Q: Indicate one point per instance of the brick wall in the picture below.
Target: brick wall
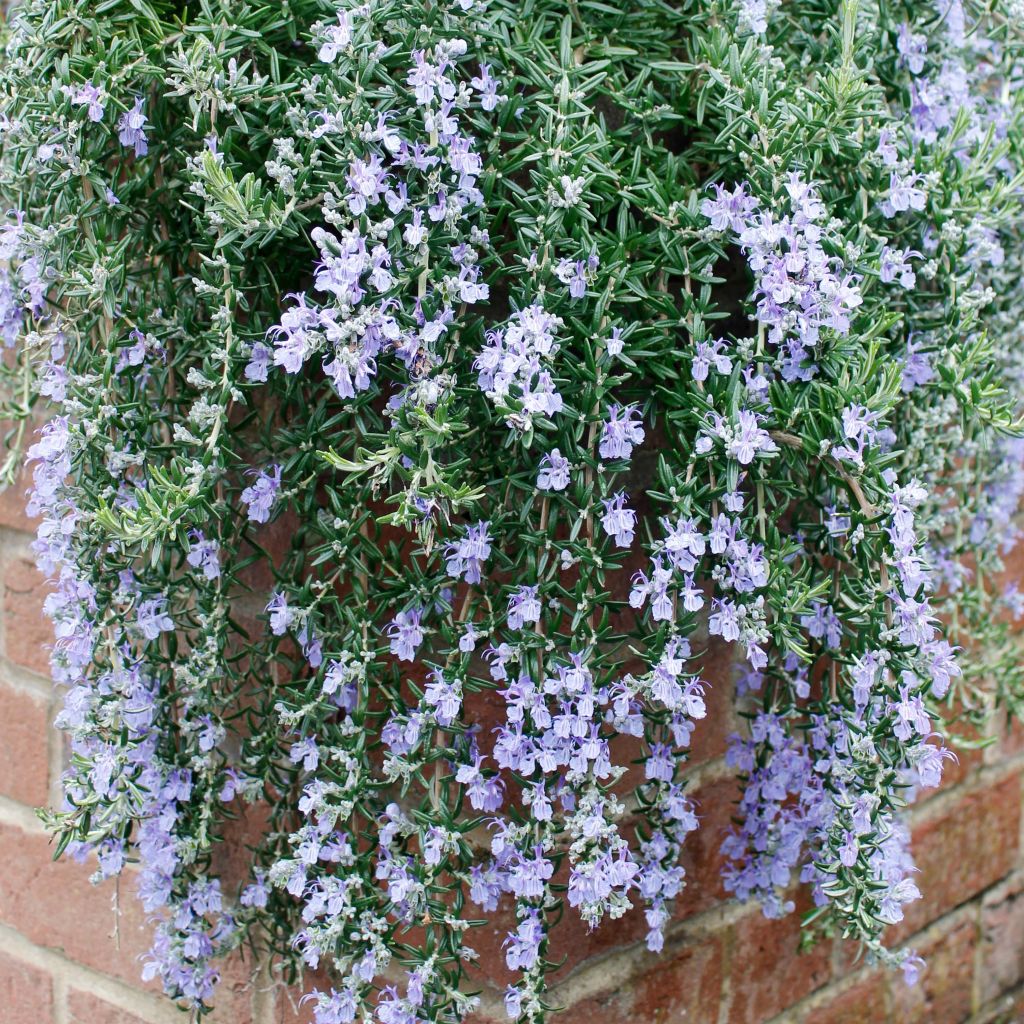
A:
(69, 951)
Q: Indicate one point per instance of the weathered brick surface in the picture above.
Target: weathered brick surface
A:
(26, 633)
(24, 744)
(768, 972)
(289, 1004)
(969, 846)
(684, 986)
(968, 759)
(945, 993)
(85, 1008)
(1009, 735)
(1002, 940)
(702, 858)
(712, 733)
(12, 504)
(53, 905)
(288, 1008)
(26, 993)
(867, 1001)
(1007, 1009)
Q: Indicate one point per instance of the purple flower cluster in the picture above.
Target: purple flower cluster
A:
(402, 192)
(113, 708)
(131, 128)
(742, 440)
(24, 278)
(89, 96)
(260, 496)
(112, 714)
(798, 813)
(622, 431)
(466, 557)
(515, 365)
(800, 289)
(859, 433)
(816, 798)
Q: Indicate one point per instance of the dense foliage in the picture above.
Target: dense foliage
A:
(435, 384)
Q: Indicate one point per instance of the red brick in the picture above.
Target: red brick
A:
(970, 846)
(1002, 940)
(943, 994)
(683, 985)
(288, 1009)
(613, 1005)
(85, 1008)
(769, 973)
(572, 942)
(24, 745)
(27, 633)
(1013, 567)
(702, 857)
(12, 505)
(711, 735)
(287, 999)
(53, 904)
(864, 1002)
(1010, 738)
(1008, 1009)
(274, 538)
(968, 760)
(26, 994)
(232, 1002)
(487, 940)
(231, 859)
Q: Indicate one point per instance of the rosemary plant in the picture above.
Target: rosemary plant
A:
(426, 382)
